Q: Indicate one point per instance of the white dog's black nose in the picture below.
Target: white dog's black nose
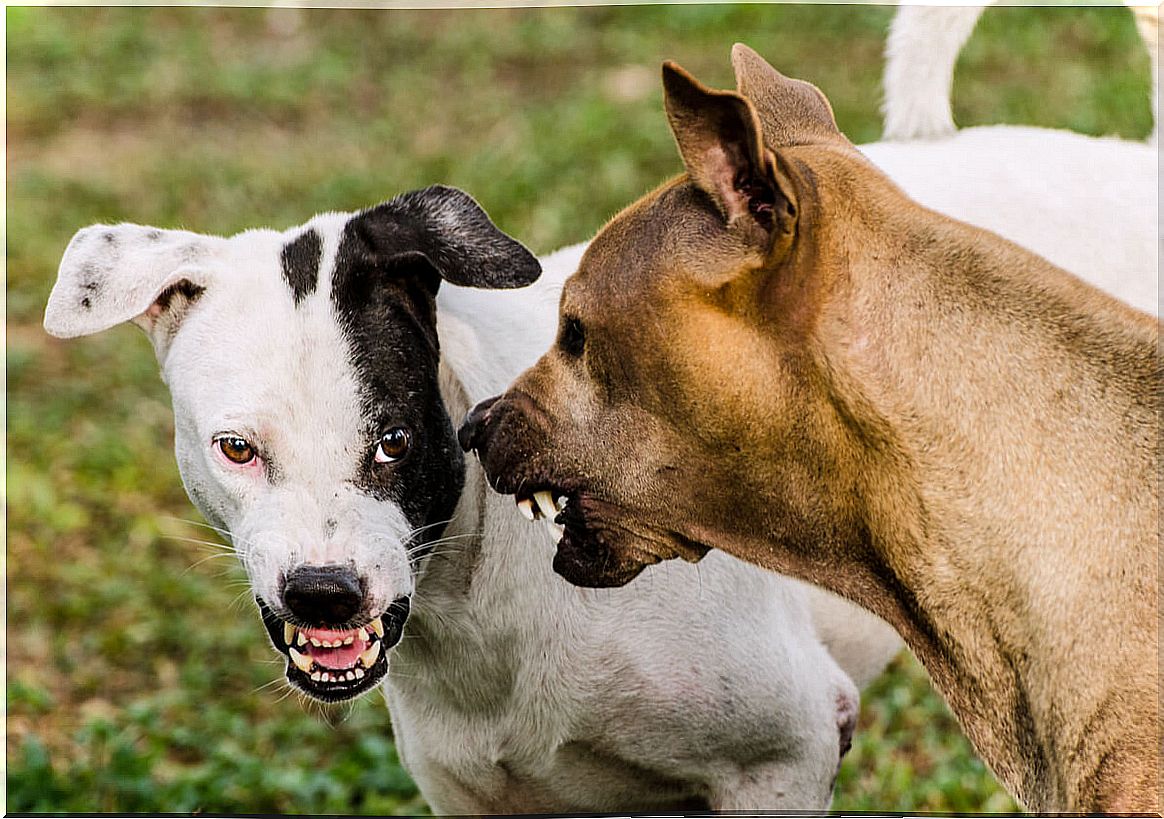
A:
(324, 595)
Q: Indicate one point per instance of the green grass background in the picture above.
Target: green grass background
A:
(138, 676)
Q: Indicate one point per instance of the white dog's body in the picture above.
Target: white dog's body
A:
(512, 691)
(922, 49)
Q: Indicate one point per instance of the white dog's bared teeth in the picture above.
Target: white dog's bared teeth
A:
(362, 634)
(316, 677)
(378, 627)
(315, 641)
(526, 507)
(369, 657)
(349, 640)
(359, 672)
(288, 634)
(301, 639)
(545, 502)
(302, 662)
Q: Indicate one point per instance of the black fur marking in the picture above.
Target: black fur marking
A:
(301, 264)
(91, 285)
(184, 289)
(389, 265)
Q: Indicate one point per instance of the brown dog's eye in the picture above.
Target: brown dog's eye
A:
(235, 449)
(573, 339)
(393, 446)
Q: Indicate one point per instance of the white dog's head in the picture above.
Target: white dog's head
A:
(303, 368)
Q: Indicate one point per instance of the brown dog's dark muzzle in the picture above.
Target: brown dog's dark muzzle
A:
(508, 436)
(593, 565)
(500, 431)
(472, 428)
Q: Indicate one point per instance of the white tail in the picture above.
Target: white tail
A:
(921, 51)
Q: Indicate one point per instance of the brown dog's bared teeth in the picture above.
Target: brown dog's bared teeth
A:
(526, 507)
(545, 503)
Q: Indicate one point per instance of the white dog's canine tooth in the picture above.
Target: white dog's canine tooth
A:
(525, 506)
(369, 657)
(288, 633)
(545, 503)
(302, 662)
(378, 626)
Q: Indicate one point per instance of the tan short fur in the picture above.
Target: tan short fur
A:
(783, 357)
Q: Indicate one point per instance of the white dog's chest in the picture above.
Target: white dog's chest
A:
(506, 763)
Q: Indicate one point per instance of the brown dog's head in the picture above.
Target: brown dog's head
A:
(666, 412)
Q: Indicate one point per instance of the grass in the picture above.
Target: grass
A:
(138, 678)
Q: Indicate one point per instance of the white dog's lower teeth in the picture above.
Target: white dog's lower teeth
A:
(545, 502)
(369, 657)
(302, 662)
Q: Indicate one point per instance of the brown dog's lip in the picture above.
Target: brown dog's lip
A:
(598, 550)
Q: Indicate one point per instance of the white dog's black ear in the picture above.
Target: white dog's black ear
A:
(115, 273)
(448, 230)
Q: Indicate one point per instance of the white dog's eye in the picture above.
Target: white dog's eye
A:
(235, 449)
(393, 446)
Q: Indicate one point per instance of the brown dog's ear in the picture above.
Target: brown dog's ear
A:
(792, 112)
(722, 145)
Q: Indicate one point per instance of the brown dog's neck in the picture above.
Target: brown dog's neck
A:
(999, 419)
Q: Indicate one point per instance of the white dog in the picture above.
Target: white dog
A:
(314, 375)
(922, 49)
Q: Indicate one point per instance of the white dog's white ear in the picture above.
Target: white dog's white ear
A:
(115, 273)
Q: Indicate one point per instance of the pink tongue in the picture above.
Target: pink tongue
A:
(342, 657)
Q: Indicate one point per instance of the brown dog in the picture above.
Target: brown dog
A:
(780, 355)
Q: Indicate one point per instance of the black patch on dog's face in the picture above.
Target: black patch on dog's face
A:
(390, 263)
(301, 264)
(387, 311)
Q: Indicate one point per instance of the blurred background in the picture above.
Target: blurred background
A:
(139, 678)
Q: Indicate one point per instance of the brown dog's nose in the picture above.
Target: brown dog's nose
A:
(323, 595)
(469, 434)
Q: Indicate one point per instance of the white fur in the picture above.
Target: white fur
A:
(921, 51)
